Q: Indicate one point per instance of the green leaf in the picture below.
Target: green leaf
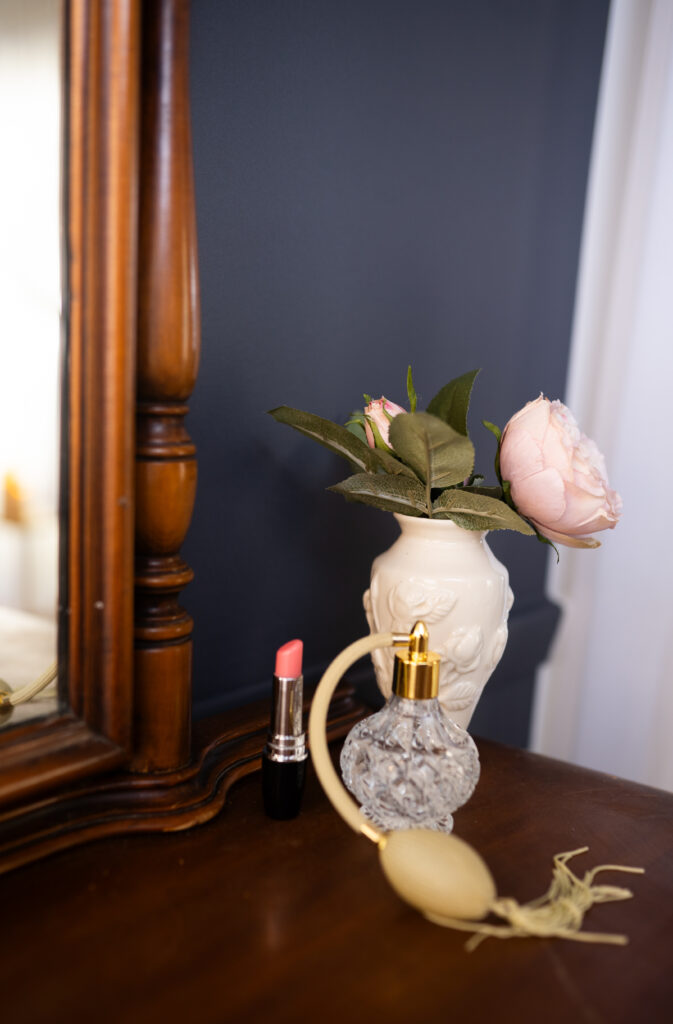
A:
(452, 402)
(368, 399)
(475, 511)
(331, 435)
(389, 464)
(438, 454)
(342, 441)
(411, 391)
(497, 433)
(546, 540)
(355, 427)
(489, 492)
(390, 493)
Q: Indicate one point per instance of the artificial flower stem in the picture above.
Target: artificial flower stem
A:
(428, 497)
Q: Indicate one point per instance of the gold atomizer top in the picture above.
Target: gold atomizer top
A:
(417, 669)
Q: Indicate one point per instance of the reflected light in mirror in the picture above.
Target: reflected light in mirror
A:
(30, 309)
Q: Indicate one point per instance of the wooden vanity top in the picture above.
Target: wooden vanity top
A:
(246, 919)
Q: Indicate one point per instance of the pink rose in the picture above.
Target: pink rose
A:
(557, 475)
(378, 415)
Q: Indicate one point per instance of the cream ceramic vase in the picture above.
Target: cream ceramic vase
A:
(449, 578)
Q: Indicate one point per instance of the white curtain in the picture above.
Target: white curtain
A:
(605, 699)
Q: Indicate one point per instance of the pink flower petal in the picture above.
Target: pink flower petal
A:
(541, 496)
(534, 417)
(520, 455)
(568, 541)
(556, 451)
(584, 513)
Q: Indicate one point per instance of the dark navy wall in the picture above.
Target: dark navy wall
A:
(378, 182)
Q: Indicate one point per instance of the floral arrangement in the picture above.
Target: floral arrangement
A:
(552, 481)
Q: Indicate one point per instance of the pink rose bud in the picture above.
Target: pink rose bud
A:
(378, 415)
(557, 475)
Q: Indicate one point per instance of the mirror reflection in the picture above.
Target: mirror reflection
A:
(30, 337)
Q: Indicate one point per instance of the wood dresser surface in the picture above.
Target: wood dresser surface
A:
(247, 919)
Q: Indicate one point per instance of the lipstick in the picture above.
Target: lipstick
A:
(284, 756)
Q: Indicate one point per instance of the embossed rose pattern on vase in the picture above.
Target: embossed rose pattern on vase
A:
(449, 578)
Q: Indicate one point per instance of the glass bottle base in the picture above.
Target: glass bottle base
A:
(410, 766)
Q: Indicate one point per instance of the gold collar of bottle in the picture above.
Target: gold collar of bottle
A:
(417, 669)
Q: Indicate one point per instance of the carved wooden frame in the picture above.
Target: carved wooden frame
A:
(95, 645)
(123, 758)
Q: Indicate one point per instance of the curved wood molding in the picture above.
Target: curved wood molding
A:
(168, 350)
(227, 748)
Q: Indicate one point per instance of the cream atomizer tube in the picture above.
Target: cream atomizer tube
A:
(284, 756)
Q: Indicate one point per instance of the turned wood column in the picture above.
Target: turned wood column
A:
(168, 349)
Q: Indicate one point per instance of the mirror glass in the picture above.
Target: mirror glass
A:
(30, 338)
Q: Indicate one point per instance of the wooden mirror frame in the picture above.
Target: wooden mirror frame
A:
(123, 758)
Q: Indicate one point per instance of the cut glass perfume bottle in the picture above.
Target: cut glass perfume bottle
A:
(409, 765)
